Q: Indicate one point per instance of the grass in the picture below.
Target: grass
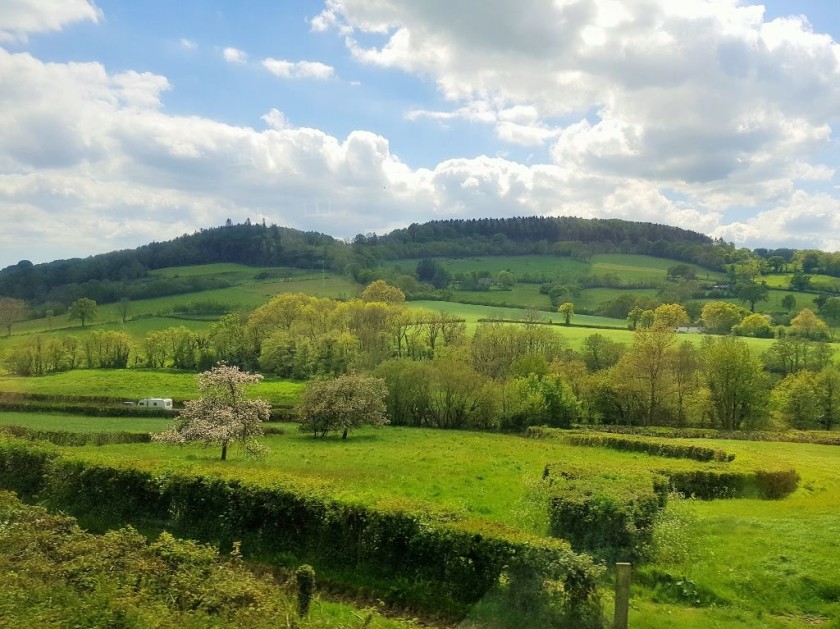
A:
(630, 267)
(133, 384)
(77, 423)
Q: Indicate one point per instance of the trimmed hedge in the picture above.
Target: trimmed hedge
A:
(610, 515)
(817, 437)
(64, 438)
(768, 484)
(455, 563)
(91, 409)
(654, 448)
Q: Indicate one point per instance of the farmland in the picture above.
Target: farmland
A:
(723, 563)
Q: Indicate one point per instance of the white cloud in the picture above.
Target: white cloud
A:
(187, 44)
(21, 18)
(235, 55)
(702, 96)
(298, 69)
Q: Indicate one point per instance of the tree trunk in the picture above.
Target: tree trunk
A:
(344, 435)
(224, 452)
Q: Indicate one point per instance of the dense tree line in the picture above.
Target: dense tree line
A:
(570, 236)
(505, 375)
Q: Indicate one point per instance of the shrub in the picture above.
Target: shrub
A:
(610, 515)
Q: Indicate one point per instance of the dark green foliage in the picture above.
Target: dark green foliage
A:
(772, 484)
(109, 277)
(305, 580)
(790, 436)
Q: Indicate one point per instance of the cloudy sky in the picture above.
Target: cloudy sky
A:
(127, 122)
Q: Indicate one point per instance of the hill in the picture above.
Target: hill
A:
(127, 274)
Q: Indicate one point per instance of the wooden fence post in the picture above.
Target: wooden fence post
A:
(622, 595)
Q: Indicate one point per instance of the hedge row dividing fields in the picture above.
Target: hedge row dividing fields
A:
(612, 513)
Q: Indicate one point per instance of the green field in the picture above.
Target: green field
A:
(740, 563)
(629, 266)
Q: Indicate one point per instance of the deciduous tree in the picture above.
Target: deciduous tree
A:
(83, 310)
(568, 311)
(11, 311)
(222, 415)
(343, 403)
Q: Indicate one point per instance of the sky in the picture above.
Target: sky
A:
(123, 123)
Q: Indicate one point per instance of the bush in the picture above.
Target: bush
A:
(610, 515)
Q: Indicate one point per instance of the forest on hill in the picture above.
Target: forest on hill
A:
(122, 274)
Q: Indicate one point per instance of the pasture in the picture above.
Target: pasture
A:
(722, 563)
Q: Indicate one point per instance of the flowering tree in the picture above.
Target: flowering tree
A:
(221, 415)
(343, 403)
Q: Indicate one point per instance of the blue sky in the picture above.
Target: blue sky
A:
(127, 122)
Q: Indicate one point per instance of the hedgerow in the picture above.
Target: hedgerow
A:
(647, 446)
(449, 562)
(818, 437)
(610, 515)
(65, 438)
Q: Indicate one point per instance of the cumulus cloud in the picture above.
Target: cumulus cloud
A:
(234, 55)
(298, 69)
(21, 18)
(681, 113)
(705, 96)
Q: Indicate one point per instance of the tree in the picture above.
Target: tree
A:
(633, 317)
(600, 352)
(756, 325)
(800, 281)
(568, 311)
(11, 311)
(788, 302)
(645, 366)
(83, 310)
(381, 291)
(736, 382)
(796, 401)
(830, 311)
(343, 403)
(222, 414)
(670, 316)
(828, 391)
(721, 316)
(808, 325)
(751, 293)
(123, 307)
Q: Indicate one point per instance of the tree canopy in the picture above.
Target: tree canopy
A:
(222, 415)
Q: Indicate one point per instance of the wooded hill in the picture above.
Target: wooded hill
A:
(122, 274)
(127, 274)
